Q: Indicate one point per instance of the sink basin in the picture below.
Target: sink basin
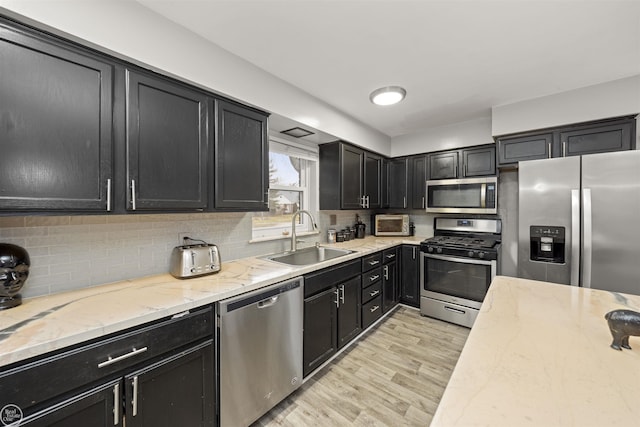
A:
(308, 256)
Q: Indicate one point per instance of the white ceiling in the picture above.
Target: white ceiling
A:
(456, 59)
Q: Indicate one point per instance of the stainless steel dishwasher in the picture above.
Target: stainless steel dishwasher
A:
(260, 350)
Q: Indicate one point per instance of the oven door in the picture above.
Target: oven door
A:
(462, 281)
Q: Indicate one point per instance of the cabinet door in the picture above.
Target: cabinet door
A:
(597, 139)
(398, 183)
(176, 391)
(443, 165)
(351, 174)
(166, 145)
(419, 182)
(320, 325)
(479, 162)
(409, 276)
(511, 150)
(372, 180)
(384, 184)
(389, 283)
(241, 158)
(55, 126)
(95, 407)
(349, 320)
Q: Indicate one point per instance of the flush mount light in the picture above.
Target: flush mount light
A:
(387, 95)
(297, 132)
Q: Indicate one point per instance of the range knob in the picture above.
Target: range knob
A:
(470, 254)
(480, 254)
(439, 250)
(430, 249)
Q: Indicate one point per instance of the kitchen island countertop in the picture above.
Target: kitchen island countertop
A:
(539, 355)
(44, 324)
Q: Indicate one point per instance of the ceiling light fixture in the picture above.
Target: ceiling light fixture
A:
(387, 95)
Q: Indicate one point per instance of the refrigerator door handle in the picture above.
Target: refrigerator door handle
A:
(575, 238)
(587, 248)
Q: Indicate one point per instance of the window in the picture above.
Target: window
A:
(293, 171)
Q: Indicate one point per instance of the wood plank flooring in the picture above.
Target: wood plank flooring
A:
(393, 376)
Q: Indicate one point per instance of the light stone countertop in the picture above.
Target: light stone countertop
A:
(538, 355)
(49, 323)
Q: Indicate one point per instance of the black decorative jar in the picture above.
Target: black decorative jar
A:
(14, 270)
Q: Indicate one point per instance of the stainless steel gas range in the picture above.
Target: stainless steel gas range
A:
(457, 266)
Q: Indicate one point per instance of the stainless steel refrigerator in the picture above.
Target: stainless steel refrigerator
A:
(579, 221)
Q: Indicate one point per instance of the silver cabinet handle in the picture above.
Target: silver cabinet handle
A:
(404, 201)
(549, 146)
(342, 294)
(134, 402)
(368, 204)
(374, 293)
(374, 308)
(564, 148)
(337, 301)
(374, 262)
(413, 252)
(386, 272)
(391, 256)
(423, 206)
(109, 195)
(133, 194)
(116, 404)
(375, 277)
(111, 361)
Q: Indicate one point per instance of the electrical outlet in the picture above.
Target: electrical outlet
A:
(332, 219)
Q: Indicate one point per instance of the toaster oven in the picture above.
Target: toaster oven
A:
(391, 225)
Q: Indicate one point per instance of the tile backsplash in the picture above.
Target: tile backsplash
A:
(73, 252)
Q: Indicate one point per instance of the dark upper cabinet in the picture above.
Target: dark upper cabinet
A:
(513, 149)
(478, 161)
(56, 106)
(616, 134)
(464, 163)
(597, 138)
(443, 165)
(167, 149)
(409, 275)
(241, 158)
(419, 173)
(398, 182)
(350, 177)
(372, 180)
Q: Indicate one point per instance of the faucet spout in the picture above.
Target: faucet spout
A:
(294, 242)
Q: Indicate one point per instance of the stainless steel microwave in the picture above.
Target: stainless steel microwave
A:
(467, 195)
(391, 225)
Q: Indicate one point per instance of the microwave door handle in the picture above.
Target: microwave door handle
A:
(483, 195)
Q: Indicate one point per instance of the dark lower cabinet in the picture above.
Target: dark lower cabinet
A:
(389, 279)
(162, 374)
(320, 329)
(167, 145)
(410, 275)
(241, 158)
(349, 320)
(56, 125)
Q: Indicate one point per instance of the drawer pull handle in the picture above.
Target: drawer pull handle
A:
(374, 308)
(116, 404)
(374, 262)
(374, 293)
(372, 278)
(391, 256)
(112, 360)
(134, 402)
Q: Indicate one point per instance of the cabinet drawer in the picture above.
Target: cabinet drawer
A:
(328, 277)
(371, 292)
(35, 382)
(371, 311)
(371, 261)
(389, 255)
(372, 276)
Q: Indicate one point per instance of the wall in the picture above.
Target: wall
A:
(456, 135)
(132, 32)
(611, 99)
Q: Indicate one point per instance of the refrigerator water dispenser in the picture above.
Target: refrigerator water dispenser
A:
(547, 243)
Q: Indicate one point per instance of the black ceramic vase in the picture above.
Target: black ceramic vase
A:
(14, 270)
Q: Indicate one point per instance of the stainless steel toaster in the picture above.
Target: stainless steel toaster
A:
(194, 260)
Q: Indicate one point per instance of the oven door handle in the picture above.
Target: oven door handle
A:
(459, 259)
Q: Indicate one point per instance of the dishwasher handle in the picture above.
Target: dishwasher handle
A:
(268, 302)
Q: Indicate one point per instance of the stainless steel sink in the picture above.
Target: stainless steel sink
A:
(308, 256)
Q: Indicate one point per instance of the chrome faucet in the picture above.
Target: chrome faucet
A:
(294, 241)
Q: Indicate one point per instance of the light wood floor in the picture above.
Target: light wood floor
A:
(393, 376)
